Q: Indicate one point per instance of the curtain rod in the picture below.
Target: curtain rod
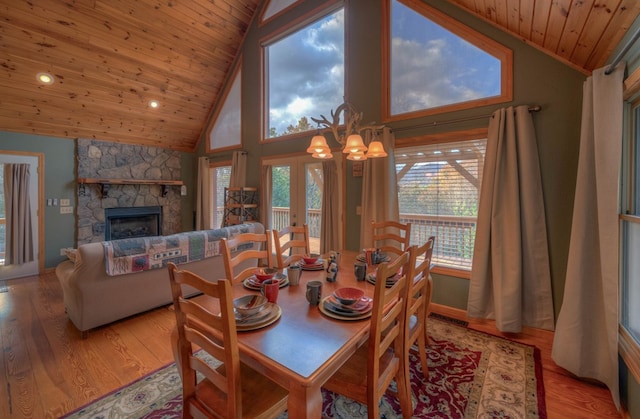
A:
(622, 52)
(536, 108)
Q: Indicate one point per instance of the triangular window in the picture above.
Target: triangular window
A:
(275, 7)
(224, 129)
(437, 65)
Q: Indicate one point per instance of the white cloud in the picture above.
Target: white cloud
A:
(307, 72)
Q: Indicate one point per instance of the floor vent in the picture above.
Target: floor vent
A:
(442, 317)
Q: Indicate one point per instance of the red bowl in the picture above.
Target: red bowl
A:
(348, 296)
(310, 259)
(262, 274)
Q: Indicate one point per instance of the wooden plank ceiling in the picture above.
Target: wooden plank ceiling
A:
(110, 57)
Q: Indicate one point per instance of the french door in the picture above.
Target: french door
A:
(29, 268)
(296, 197)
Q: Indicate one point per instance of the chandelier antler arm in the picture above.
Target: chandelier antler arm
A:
(335, 124)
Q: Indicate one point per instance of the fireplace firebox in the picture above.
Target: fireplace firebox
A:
(125, 223)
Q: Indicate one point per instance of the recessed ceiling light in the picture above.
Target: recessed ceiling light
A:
(154, 104)
(45, 78)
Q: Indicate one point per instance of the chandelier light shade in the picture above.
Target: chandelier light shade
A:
(323, 154)
(376, 149)
(354, 144)
(348, 135)
(358, 155)
(318, 144)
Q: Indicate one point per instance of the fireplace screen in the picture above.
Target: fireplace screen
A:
(125, 223)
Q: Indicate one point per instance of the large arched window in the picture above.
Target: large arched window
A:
(303, 72)
(435, 64)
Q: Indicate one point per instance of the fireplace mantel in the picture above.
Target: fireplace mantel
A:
(105, 184)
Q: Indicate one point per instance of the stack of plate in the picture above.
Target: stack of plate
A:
(268, 315)
(361, 309)
(317, 266)
(390, 281)
(253, 284)
(363, 258)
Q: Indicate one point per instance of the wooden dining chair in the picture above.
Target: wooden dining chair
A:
(290, 244)
(231, 389)
(418, 299)
(366, 376)
(391, 236)
(242, 253)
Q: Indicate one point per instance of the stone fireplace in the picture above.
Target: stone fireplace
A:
(105, 160)
(125, 223)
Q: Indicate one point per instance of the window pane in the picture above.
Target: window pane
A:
(305, 75)
(438, 191)
(630, 274)
(225, 131)
(432, 66)
(281, 196)
(221, 177)
(313, 198)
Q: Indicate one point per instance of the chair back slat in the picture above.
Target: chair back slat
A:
(418, 298)
(239, 261)
(391, 236)
(290, 244)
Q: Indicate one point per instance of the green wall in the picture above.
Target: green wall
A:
(60, 182)
(538, 80)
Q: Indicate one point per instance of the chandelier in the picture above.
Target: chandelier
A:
(349, 138)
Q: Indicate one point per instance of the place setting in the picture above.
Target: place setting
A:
(312, 262)
(373, 256)
(260, 275)
(347, 304)
(255, 311)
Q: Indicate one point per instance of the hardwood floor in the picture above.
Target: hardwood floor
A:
(47, 370)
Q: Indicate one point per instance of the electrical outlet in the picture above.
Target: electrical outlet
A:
(66, 210)
(49, 202)
(65, 202)
(63, 251)
(55, 202)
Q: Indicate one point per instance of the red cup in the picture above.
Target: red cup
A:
(369, 251)
(270, 289)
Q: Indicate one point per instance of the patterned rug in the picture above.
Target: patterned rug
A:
(471, 375)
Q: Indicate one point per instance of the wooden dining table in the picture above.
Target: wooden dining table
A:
(305, 347)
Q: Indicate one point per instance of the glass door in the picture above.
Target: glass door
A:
(296, 196)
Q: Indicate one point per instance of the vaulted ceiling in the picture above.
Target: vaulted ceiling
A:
(109, 58)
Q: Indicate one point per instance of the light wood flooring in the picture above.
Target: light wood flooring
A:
(47, 370)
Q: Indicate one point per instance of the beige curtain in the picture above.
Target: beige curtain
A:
(18, 229)
(238, 170)
(510, 279)
(586, 338)
(203, 198)
(379, 189)
(267, 193)
(330, 215)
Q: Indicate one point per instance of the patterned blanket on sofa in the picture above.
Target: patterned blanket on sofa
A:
(144, 253)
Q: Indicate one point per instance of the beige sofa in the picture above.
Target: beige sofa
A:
(94, 298)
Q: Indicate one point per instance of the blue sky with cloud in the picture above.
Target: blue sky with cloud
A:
(431, 67)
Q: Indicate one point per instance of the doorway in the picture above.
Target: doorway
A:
(296, 198)
(35, 180)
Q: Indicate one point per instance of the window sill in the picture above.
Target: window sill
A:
(458, 273)
(630, 352)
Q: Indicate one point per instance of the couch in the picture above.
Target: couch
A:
(111, 280)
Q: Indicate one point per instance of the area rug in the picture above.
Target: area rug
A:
(471, 375)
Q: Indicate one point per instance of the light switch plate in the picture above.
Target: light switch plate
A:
(66, 210)
(65, 202)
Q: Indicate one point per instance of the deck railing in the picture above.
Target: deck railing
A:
(455, 235)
